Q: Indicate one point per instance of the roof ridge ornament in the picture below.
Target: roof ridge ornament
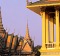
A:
(27, 2)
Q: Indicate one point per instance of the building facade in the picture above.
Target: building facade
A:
(49, 10)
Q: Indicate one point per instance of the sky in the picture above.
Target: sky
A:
(15, 16)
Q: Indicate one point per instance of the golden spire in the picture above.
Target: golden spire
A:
(2, 30)
(0, 16)
(27, 36)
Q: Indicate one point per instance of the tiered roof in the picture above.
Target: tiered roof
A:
(2, 30)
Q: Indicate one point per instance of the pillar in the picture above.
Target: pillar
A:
(43, 30)
(47, 32)
(57, 28)
(51, 24)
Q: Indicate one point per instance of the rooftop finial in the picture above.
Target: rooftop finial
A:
(30, 0)
(14, 31)
(27, 2)
(27, 36)
(27, 22)
(8, 30)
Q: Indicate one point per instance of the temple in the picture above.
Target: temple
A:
(24, 45)
(49, 10)
(27, 42)
(12, 45)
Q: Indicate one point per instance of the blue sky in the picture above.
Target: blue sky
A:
(15, 15)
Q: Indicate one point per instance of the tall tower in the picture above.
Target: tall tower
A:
(49, 10)
(2, 30)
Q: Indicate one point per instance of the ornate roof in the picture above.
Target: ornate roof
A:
(27, 42)
(42, 2)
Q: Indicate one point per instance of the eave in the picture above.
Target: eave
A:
(36, 7)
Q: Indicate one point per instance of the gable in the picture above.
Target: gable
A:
(27, 48)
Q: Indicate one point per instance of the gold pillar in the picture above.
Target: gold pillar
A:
(47, 32)
(43, 30)
(51, 30)
(57, 28)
